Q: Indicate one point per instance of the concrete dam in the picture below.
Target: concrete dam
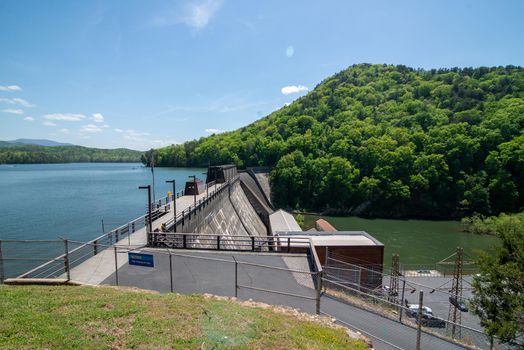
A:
(224, 237)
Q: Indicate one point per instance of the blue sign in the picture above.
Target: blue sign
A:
(139, 259)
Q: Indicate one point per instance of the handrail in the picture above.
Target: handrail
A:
(93, 241)
(185, 213)
(125, 227)
(302, 239)
(30, 241)
(318, 265)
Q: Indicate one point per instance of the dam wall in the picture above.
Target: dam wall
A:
(261, 176)
(231, 215)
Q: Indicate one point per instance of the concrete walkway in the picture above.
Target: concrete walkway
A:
(99, 267)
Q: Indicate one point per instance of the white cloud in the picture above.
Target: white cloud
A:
(30, 119)
(119, 130)
(10, 88)
(16, 101)
(46, 123)
(97, 118)
(293, 89)
(195, 14)
(213, 131)
(64, 131)
(162, 143)
(290, 51)
(132, 132)
(142, 143)
(70, 117)
(287, 104)
(13, 111)
(90, 128)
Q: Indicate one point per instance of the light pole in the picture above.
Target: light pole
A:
(194, 188)
(149, 221)
(207, 185)
(174, 202)
(152, 165)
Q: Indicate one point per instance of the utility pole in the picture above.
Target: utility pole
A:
(401, 304)
(454, 314)
(174, 202)
(419, 318)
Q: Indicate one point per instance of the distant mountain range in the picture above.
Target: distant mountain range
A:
(34, 142)
(23, 151)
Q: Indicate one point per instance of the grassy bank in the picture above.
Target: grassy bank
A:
(34, 317)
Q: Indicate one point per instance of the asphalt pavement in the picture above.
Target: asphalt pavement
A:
(190, 272)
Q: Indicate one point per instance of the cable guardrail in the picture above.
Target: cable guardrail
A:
(247, 279)
(159, 209)
(112, 236)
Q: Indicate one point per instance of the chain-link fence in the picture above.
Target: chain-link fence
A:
(438, 315)
(271, 280)
(284, 279)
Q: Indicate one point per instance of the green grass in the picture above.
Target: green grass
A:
(66, 317)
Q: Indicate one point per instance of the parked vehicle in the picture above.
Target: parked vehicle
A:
(412, 310)
(428, 320)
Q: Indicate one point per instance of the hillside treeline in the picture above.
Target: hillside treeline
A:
(29, 154)
(386, 140)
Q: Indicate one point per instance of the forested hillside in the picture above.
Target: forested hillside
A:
(22, 154)
(386, 140)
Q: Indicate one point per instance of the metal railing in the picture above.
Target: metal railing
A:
(191, 210)
(247, 275)
(75, 255)
(83, 251)
(202, 241)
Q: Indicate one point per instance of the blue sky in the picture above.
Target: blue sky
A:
(143, 74)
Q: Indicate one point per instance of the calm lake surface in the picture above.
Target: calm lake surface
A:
(416, 241)
(44, 201)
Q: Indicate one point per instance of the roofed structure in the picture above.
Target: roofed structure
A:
(324, 226)
(282, 221)
(221, 173)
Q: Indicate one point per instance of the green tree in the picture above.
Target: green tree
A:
(441, 143)
(498, 296)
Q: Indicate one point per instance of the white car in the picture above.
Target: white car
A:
(412, 310)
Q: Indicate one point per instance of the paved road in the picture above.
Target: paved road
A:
(192, 274)
(394, 334)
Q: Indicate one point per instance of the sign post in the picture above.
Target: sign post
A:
(141, 259)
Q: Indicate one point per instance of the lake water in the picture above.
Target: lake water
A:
(46, 201)
(418, 242)
(70, 200)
